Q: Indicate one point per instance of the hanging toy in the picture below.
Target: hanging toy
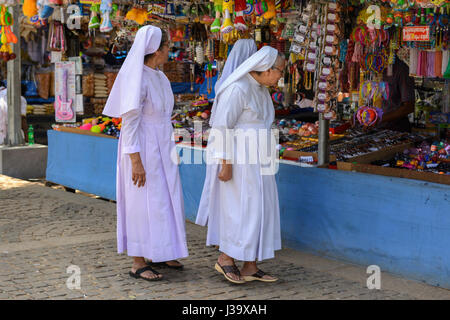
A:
(227, 8)
(56, 37)
(239, 7)
(29, 8)
(398, 18)
(94, 22)
(199, 54)
(215, 26)
(63, 105)
(278, 5)
(7, 37)
(368, 116)
(250, 8)
(44, 10)
(209, 74)
(260, 7)
(106, 9)
(207, 17)
(271, 11)
(138, 15)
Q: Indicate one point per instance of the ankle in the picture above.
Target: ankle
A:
(225, 258)
(249, 266)
(138, 262)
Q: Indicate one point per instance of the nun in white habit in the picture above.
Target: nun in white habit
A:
(241, 51)
(241, 206)
(150, 209)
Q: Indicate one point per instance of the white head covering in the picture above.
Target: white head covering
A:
(126, 91)
(262, 60)
(242, 50)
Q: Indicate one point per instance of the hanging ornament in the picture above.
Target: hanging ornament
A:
(106, 9)
(215, 26)
(139, 15)
(368, 116)
(7, 37)
(199, 54)
(239, 22)
(94, 22)
(29, 8)
(227, 25)
(260, 7)
(271, 11)
(209, 74)
(250, 8)
(44, 10)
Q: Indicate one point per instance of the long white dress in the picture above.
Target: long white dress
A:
(150, 219)
(242, 214)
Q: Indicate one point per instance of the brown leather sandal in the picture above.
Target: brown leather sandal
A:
(165, 264)
(137, 274)
(258, 276)
(229, 269)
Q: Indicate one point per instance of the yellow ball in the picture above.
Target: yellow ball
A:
(96, 129)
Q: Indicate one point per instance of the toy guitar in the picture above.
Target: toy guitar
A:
(63, 107)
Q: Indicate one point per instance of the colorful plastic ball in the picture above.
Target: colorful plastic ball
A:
(96, 129)
(86, 126)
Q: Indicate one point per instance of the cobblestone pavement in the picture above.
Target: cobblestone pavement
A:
(43, 231)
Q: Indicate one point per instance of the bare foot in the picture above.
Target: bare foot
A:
(225, 260)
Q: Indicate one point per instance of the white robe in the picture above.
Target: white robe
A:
(242, 214)
(150, 219)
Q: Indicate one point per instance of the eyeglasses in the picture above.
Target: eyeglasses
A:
(281, 71)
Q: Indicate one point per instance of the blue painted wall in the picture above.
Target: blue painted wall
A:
(401, 225)
(82, 162)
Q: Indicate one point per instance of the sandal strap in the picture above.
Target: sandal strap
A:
(231, 269)
(259, 274)
(146, 268)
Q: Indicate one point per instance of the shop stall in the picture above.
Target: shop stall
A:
(351, 187)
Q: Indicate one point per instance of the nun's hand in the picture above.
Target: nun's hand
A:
(137, 170)
(225, 173)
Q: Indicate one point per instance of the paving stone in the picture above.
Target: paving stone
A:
(44, 213)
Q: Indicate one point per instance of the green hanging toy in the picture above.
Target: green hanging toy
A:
(94, 22)
(447, 72)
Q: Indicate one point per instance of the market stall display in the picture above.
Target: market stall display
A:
(338, 57)
(338, 52)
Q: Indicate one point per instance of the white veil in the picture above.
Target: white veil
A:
(262, 60)
(126, 91)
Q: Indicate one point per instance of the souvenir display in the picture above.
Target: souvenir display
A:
(340, 60)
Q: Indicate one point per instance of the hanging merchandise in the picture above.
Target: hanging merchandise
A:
(7, 36)
(271, 10)
(106, 8)
(209, 74)
(260, 7)
(315, 41)
(137, 14)
(56, 40)
(29, 8)
(199, 54)
(215, 26)
(239, 22)
(94, 22)
(227, 25)
(44, 10)
(64, 91)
